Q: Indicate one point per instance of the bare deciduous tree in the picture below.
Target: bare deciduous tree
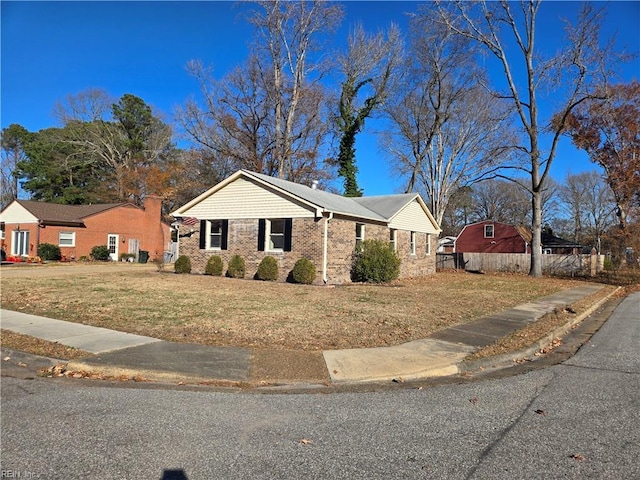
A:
(569, 77)
(447, 131)
(590, 206)
(287, 34)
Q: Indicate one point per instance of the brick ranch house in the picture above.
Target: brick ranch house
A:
(76, 229)
(255, 215)
(497, 237)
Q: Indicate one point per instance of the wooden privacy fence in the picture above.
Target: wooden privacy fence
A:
(520, 262)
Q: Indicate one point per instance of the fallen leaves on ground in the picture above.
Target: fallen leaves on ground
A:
(60, 370)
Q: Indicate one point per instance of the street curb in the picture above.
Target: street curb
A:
(160, 376)
(507, 360)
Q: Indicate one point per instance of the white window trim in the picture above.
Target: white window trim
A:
(73, 239)
(360, 238)
(493, 231)
(210, 234)
(428, 244)
(268, 234)
(393, 239)
(412, 243)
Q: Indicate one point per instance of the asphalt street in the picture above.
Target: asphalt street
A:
(577, 419)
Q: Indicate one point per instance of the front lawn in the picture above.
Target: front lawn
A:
(250, 313)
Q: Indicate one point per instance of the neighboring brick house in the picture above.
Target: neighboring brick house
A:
(76, 229)
(497, 237)
(254, 216)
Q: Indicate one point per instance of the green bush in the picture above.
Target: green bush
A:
(48, 251)
(268, 269)
(214, 266)
(182, 265)
(375, 262)
(304, 272)
(236, 268)
(100, 253)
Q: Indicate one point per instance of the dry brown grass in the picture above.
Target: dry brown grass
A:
(36, 346)
(538, 330)
(249, 313)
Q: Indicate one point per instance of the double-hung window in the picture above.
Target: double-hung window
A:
(428, 244)
(67, 239)
(359, 234)
(274, 234)
(213, 234)
(412, 243)
(393, 239)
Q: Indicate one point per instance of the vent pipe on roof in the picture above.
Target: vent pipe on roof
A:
(314, 185)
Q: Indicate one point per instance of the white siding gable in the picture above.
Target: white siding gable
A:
(243, 198)
(16, 213)
(413, 218)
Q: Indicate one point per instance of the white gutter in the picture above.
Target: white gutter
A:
(325, 247)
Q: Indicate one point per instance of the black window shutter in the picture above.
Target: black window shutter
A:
(203, 234)
(225, 233)
(261, 231)
(288, 228)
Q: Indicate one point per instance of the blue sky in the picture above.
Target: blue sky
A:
(53, 49)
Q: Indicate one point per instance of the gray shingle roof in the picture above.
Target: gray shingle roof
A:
(381, 208)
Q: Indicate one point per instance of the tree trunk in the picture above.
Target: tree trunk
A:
(536, 234)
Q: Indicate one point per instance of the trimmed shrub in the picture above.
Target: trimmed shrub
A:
(375, 262)
(304, 272)
(48, 251)
(268, 269)
(182, 265)
(214, 266)
(100, 253)
(236, 268)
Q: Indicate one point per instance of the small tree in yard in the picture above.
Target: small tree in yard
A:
(375, 262)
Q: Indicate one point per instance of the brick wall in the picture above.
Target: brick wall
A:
(307, 242)
(128, 222)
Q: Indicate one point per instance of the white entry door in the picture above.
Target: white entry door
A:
(112, 243)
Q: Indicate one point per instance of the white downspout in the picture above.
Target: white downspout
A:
(325, 247)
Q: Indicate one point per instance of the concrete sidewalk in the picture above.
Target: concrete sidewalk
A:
(439, 355)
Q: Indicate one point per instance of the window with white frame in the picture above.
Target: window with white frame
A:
(67, 239)
(215, 234)
(393, 239)
(428, 244)
(359, 234)
(412, 243)
(488, 231)
(275, 235)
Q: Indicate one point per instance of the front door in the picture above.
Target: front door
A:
(112, 243)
